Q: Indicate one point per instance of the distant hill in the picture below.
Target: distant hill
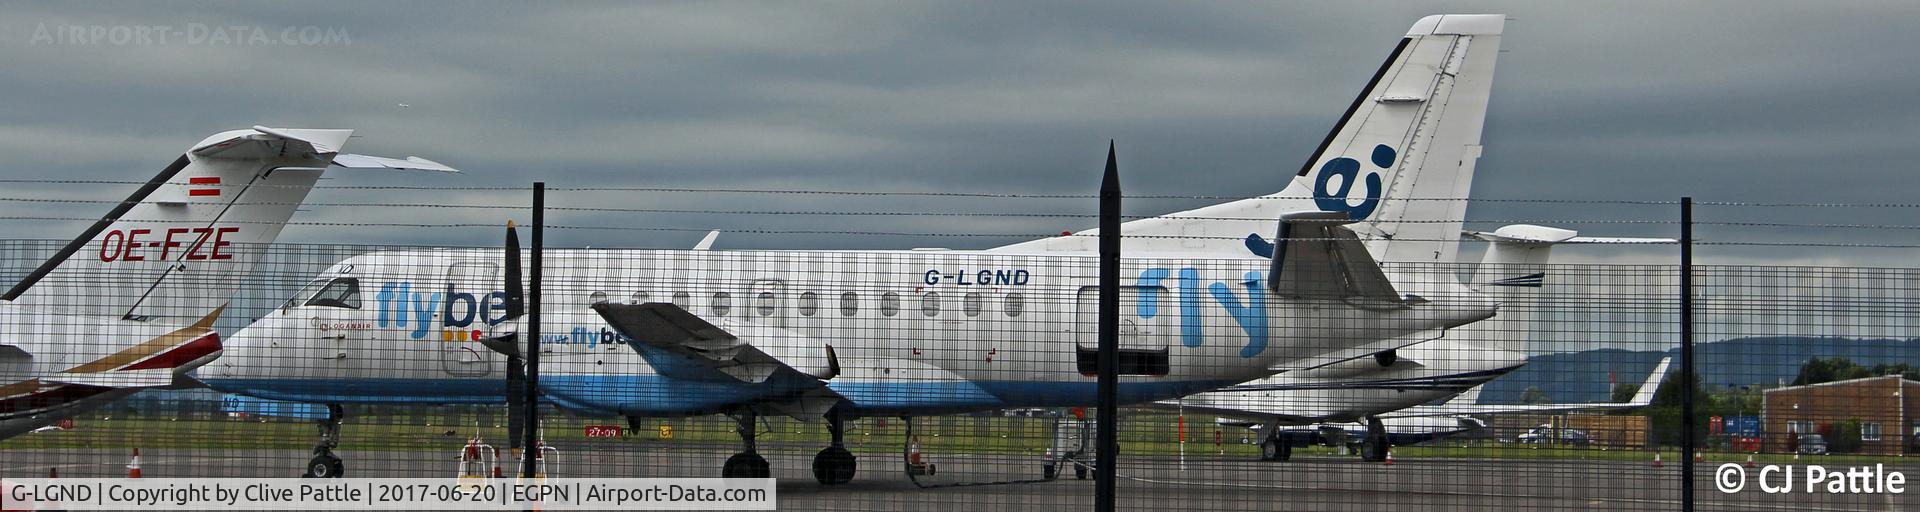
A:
(1768, 361)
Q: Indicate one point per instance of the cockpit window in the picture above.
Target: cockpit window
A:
(339, 293)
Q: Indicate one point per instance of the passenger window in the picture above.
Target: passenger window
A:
(1016, 304)
(889, 304)
(596, 297)
(764, 303)
(722, 303)
(340, 293)
(849, 304)
(971, 305)
(930, 304)
(682, 299)
(809, 303)
(638, 298)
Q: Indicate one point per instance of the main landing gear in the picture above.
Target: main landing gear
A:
(1375, 448)
(748, 463)
(834, 465)
(1274, 448)
(324, 463)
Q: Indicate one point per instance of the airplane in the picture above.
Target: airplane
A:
(848, 334)
(130, 303)
(1422, 423)
(1513, 272)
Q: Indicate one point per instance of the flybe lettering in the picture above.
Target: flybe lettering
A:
(1004, 277)
(192, 244)
(1348, 170)
(461, 314)
(1250, 315)
(589, 336)
(399, 304)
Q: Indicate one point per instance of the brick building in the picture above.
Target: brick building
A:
(1888, 409)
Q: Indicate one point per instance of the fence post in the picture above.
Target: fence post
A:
(530, 440)
(1687, 445)
(1109, 356)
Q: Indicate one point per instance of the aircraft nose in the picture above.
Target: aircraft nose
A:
(241, 350)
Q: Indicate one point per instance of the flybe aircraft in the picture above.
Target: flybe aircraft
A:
(1212, 297)
(130, 303)
(1392, 384)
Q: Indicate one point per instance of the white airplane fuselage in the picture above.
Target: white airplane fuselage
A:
(912, 332)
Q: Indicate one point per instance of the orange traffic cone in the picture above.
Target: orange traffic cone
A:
(1698, 458)
(1389, 460)
(53, 473)
(133, 466)
(1750, 461)
(1656, 459)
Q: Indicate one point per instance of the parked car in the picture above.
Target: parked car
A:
(1546, 434)
(1812, 444)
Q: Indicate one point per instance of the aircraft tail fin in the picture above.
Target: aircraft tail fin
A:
(182, 243)
(1403, 151)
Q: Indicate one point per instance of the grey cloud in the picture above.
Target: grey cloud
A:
(1639, 101)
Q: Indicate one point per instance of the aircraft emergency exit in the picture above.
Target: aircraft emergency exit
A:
(130, 303)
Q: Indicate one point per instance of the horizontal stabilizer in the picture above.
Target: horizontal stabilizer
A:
(266, 142)
(1315, 257)
(411, 163)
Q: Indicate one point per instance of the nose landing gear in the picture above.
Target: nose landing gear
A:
(324, 463)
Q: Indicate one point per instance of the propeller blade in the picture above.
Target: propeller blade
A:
(516, 401)
(516, 292)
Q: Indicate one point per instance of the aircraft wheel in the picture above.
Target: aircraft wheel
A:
(325, 465)
(1079, 472)
(746, 465)
(834, 465)
(1373, 451)
(1270, 449)
(1048, 472)
(1286, 451)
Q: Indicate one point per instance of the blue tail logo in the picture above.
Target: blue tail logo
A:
(1348, 170)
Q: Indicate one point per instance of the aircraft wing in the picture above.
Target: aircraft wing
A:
(148, 378)
(711, 348)
(1464, 404)
(1316, 257)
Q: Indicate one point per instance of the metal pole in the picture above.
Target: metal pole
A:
(531, 455)
(1109, 357)
(1686, 354)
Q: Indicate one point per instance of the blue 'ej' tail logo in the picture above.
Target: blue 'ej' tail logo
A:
(1348, 170)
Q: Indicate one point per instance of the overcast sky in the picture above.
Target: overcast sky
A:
(1726, 101)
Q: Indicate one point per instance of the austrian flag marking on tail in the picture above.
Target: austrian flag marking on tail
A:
(199, 192)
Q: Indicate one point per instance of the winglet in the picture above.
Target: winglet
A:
(706, 242)
(1647, 390)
